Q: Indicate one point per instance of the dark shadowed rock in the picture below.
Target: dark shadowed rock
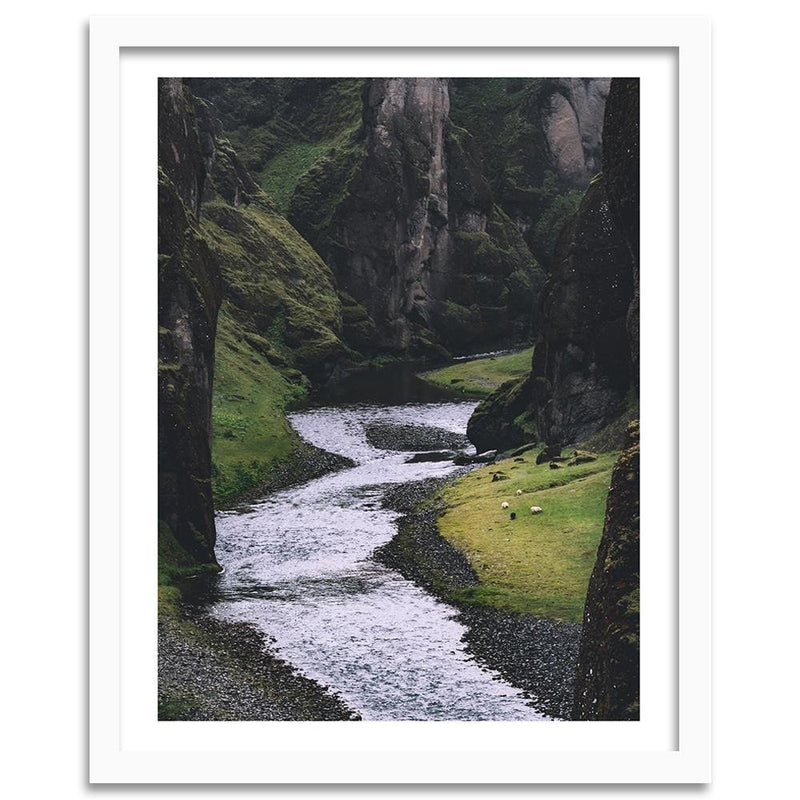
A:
(438, 455)
(607, 682)
(549, 452)
(581, 364)
(189, 296)
(503, 420)
(621, 157)
(392, 436)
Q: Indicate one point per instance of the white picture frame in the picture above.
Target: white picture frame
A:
(126, 745)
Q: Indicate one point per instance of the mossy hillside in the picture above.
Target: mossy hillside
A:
(323, 189)
(264, 116)
(535, 564)
(251, 434)
(281, 293)
(331, 124)
(281, 174)
(481, 376)
(493, 293)
(278, 331)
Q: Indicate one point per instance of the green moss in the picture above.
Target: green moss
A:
(250, 432)
(481, 376)
(536, 564)
(323, 189)
(281, 174)
(174, 563)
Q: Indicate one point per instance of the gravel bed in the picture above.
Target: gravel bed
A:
(538, 656)
(410, 438)
(214, 670)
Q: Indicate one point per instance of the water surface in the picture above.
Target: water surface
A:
(298, 565)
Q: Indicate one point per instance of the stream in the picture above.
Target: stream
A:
(298, 566)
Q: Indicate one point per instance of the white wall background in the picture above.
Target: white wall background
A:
(43, 316)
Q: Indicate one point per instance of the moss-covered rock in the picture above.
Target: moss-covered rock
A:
(503, 420)
(607, 680)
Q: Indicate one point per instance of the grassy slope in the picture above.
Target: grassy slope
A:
(278, 324)
(281, 174)
(250, 430)
(537, 564)
(479, 378)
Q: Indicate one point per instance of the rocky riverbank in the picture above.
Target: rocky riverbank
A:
(538, 656)
(303, 464)
(410, 438)
(214, 670)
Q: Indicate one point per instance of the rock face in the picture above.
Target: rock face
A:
(582, 361)
(433, 201)
(607, 679)
(586, 360)
(621, 155)
(572, 120)
(392, 228)
(503, 420)
(189, 295)
(406, 219)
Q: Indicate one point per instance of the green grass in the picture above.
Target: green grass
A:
(479, 378)
(280, 175)
(250, 430)
(536, 564)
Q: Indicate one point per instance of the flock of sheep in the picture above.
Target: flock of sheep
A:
(534, 509)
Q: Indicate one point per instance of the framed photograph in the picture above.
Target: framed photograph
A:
(399, 460)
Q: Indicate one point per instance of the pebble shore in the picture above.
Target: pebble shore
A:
(538, 656)
(214, 670)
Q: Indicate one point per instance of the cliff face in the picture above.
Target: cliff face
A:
(189, 295)
(586, 360)
(607, 679)
(405, 218)
(433, 201)
(621, 154)
(541, 143)
(389, 233)
(572, 120)
(582, 361)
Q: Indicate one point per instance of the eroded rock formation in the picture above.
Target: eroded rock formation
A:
(607, 679)
(189, 295)
(582, 358)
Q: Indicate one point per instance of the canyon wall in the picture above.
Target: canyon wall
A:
(189, 295)
(430, 199)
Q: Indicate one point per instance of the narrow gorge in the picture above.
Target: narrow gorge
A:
(322, 242)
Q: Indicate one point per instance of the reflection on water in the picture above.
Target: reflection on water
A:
(298, 566)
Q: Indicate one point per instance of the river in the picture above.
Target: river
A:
(299, 566)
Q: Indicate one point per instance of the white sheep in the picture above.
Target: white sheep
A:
(536, 509)
(519, 492)
(504, 506)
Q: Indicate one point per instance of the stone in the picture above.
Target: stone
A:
(607, 679)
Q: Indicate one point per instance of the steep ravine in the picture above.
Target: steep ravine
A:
(428, 219)
(405, 229)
